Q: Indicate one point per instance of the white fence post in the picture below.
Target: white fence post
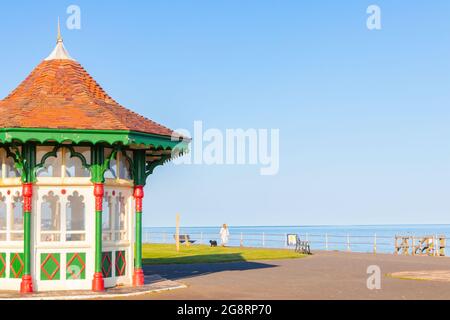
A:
(201, 237)
(326, 241)
(264, 239)
(242, 240)
(348, 242)
(375, 244)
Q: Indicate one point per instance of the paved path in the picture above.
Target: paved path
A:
(326, 275)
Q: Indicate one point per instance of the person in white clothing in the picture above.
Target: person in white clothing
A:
(224, 235)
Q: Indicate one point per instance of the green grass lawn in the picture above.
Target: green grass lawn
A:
(166, 254)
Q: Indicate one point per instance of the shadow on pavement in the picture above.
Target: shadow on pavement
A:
(190, 269)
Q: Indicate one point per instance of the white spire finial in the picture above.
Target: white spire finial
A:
(59, 37)
(60, 52)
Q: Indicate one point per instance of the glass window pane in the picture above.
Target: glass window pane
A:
(50, 237)
(17, 236)
(10, 168)
(52, 166)
(17, 224)
(76, 237)
(124, 168)
(74, 166)
(119, 215)
(2, 159)
(17, 218)
(112, 172)
(107, 217)
(3, 223)
(50, 213)
(75, 215)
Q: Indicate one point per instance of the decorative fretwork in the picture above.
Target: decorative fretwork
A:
(150, 166)
(54, 154)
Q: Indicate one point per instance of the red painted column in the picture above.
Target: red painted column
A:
(138, 276)
(26, 285)
(98, 283)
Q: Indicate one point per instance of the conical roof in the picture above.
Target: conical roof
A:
(60, 94)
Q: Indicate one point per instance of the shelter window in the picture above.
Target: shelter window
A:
(3, 218)
(17, 218)
(75, 218)
(50, 218)
(7, 166)
(119, 167)
(73, 165)
(115, 218)
(65, 164)
(63, 219)
(107, 217)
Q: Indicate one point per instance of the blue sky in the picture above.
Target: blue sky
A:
(363, 115)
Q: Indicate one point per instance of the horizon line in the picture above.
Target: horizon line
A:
(308, 226)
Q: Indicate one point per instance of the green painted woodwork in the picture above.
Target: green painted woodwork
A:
(139, 168)
(100, 164)
(2, 265)
(28, 176)
(98, 241)
(107, 264)
(50, 266)
(27, 242)
(54, 154)
(138, 242)
(24, 161)
(151, 166)
(142, 169)
(121, 264)
(16, 265)
(29, 162)
(111, 137)
(76, 266)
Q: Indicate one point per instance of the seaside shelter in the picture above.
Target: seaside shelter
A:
(73, 166)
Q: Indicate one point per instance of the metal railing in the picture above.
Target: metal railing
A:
(328, 242)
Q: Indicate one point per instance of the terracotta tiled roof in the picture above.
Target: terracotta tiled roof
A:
(60, 94)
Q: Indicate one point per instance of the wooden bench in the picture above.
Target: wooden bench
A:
(184, 238)
(303, 247)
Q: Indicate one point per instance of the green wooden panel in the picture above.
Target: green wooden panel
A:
(107, 264)
(121, 264)
(76, 266)
(2, 265)
(16, 265)
(50, 266)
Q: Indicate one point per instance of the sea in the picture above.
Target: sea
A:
(364, 238)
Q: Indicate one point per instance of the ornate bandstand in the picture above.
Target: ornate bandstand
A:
(73, 166)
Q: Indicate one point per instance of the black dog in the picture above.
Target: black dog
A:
(213, 243)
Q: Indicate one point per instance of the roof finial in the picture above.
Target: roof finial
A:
(59, 53)
(59, 38)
